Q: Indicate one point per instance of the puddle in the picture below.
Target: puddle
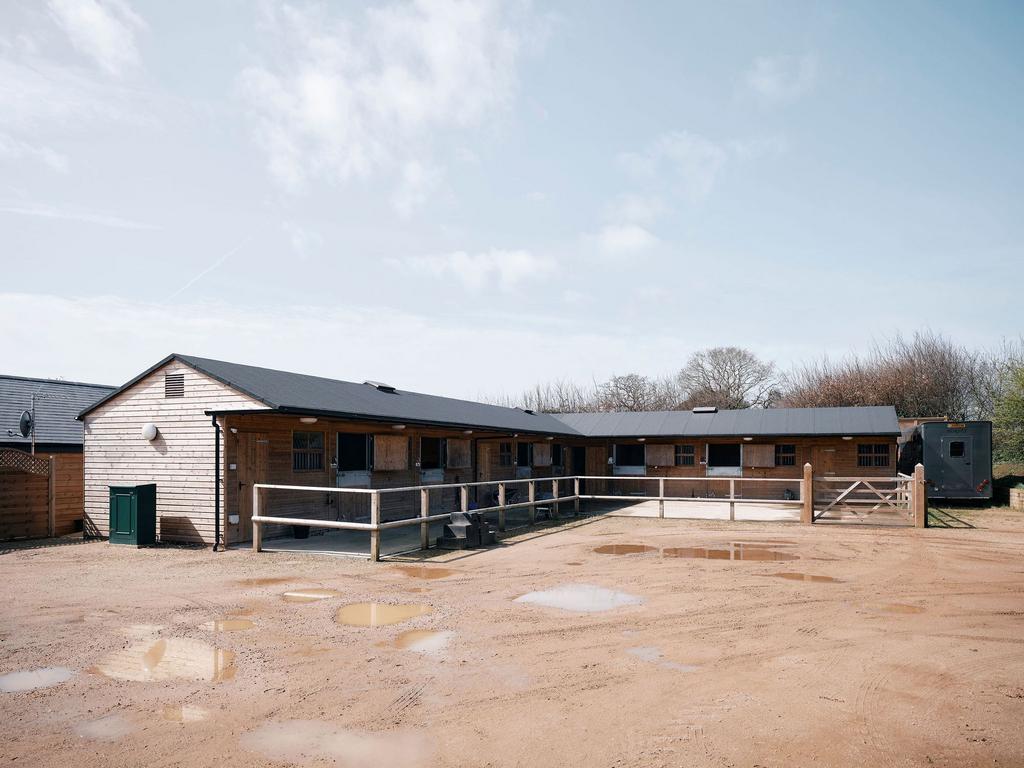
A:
(764, 544)
(735, 551)
(265, 581)
(170, 659)
(900, 608)
(574, 563)
(309, 595)
(30, 680)
(306, 742)
(654, 655)
(109, 728)
(583, 598)
(423, 641)
(228, 625)
(184, 713)
(378, 614)
(425, 572)
(806, 577)
(624, 549)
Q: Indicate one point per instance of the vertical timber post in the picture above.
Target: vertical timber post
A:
(661, 497)
(919, 497)
(576, 493)
(732, 498)
(51, 516)
(807, 495)
(501, 506)
(532, 495)
(424, 514)
(554, 499)
(257, 526)
(375, 522)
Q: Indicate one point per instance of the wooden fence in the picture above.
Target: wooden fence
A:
(39, 495)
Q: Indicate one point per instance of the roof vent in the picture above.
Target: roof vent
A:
(706, 409)
(380, 385)
(529, 411)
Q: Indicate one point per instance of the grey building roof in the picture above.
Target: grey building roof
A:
(57, 404)
(751, 422)
(300, 393)
(315, 395)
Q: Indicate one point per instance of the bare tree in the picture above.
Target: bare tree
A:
(727, 377)
(631, 392)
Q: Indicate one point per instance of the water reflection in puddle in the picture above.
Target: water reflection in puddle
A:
(426, 641)
(624, 549)
(30, 680)
(378, 614)
(806, 577)
(425, 572)
(184, 713)
(735, 551)
(309, 741)
(229, 625)
(170, 659)
(109, 728)
(582, 598)
(654, 655)
(309, 595)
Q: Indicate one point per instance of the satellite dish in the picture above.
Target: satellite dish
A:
(25, 425)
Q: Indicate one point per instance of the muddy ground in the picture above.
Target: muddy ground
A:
(908, 651)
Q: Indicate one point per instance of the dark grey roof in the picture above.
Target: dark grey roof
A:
(300, 393)
(57, 403)
(751, 422)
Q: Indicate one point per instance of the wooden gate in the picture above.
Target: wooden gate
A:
(859, 498)
(27, 495)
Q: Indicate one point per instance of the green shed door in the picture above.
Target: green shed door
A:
(122, 522)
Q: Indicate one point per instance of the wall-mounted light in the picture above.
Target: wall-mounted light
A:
(398, 426)
(149, 432)
(847, 437)
(467, 431)
(549, 438)
(234, 430)
(641, 439)
(308, 419)
(748, 439)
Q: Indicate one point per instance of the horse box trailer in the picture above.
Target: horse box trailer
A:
(957, 457)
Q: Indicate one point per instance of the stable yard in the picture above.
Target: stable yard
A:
(746, 644)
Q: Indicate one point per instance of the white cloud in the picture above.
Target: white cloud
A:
(344, 100)
(304, 240)
(636, 209)
(625, 238)
(103, 31)
(690, 164)
(504, 270)
(15, 149)
(782, 79)
(377, 342)
(72, 214)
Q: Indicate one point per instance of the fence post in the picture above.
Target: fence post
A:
(464, 498)
(919, 497)
(425, 513)
(661, 497)
(501, 505)
(807, 495)
(257, 526)
(375, 522)
(732, 496)
(576, 493)
(554, 499)
(51, 517)
(532, 496)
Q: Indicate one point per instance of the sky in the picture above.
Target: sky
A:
(468, 198)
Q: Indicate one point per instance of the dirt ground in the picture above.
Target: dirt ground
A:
(911, 655)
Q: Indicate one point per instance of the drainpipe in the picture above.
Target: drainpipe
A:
(216, 481)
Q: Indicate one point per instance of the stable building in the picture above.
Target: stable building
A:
(205, 431)
(41, 479)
